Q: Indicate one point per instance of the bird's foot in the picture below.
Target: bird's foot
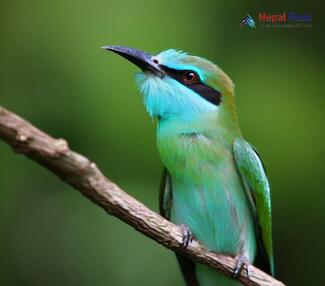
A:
(241, 263)
(187, 236)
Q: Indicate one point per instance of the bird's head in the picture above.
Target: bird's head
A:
(175, 84)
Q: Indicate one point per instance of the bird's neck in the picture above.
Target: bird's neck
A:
(186, 142)
(221, 124)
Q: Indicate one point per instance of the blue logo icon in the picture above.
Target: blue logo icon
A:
(248, 21)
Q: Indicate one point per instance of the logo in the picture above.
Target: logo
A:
(279, 20)
(284, 17)
(248, 21)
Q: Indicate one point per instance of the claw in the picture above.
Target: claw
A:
(241, 263)
(187, 236)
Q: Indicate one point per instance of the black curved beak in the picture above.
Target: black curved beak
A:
(141, 59)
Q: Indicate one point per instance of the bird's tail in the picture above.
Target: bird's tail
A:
(210, 277)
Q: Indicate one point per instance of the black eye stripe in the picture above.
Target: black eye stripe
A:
(207, 92)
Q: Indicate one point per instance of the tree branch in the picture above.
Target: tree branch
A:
(84, 176)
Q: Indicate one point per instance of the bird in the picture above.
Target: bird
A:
(214, 184)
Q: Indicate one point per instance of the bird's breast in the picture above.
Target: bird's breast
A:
(208, 195)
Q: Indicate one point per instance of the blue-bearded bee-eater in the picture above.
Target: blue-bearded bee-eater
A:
(214, 182)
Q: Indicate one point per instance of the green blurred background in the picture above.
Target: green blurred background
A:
(53, 73)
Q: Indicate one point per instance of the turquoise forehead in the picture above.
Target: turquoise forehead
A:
(177, 60)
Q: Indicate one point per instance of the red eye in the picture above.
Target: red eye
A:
(190, 77)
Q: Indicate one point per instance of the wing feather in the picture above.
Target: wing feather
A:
(257, 188)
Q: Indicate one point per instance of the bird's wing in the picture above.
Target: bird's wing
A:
(165, 195)
(257, 188)
(165, 204)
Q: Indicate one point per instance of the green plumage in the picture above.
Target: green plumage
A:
(238, 197)
(258, 191)
(214, 181)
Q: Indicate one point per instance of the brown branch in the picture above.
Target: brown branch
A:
(84, 176)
